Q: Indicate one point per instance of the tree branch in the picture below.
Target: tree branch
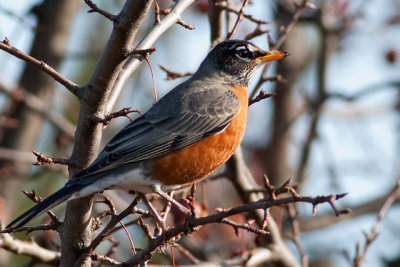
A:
(132, 62)
(371, 236)
(71, 86)
(95, 9)
(29, 248)
(220, 217)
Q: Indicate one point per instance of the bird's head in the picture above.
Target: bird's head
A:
(237, 60)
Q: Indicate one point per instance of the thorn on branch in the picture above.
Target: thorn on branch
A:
(166, 11)
(186, 25)
(42, 159)
(157, 13)
(95, 9)
(246, 227)
(172, 75)
(331, 200)
(262, 95)
(6, 41)
(270, 188)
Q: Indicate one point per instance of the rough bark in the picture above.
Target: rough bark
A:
(76, 233)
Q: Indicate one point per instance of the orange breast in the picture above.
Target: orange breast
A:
(195, 162)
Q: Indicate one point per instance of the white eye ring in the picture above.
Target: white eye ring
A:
(246, 59)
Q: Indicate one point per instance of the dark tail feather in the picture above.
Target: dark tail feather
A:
(53, 200)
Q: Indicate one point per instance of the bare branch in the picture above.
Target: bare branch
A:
(257, 32)
(42, 159)
(239, 19)
(262, 95)
(296, 234)
(30, 249)
(37, 199)
(114, 220)
(247, 227)
(95, 9)
(172, 75)
(132, 63)
(120, 113)
(186, 25)
(370, 237)
(193, 222)
(71, 86)
(282, 39)
(103, 258)
(249, 17)
(28, 229)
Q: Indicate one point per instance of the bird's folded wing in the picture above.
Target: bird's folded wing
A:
(166, 128)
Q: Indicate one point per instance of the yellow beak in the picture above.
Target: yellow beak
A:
(271, 56)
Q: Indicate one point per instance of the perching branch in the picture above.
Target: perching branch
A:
(220, 217)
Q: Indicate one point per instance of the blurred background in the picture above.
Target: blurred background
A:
(333, 125)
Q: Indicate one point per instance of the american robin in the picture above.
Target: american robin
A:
(184, 137)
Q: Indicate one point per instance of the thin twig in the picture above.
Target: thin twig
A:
(247, 227)
(296, 234)
(282, 39)
(104, 258)
(371, 236)
(114, 220)
(257, 32)
(71, 86)
(262, 95)
(238, 20)
(187, 253)
(37, 199)
(120, 113)
(172, 75)
(249, 17)
(95, 9)
(42, 159)
(186, 25)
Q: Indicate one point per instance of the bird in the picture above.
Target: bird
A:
(181, 139)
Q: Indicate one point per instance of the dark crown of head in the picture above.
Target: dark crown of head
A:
(235, 59)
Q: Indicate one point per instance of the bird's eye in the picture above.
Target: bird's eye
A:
(244, 53)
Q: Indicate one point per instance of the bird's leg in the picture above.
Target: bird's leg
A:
(157, 217)
(157, 189)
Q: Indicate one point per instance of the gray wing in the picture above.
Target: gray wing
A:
(166, 128)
